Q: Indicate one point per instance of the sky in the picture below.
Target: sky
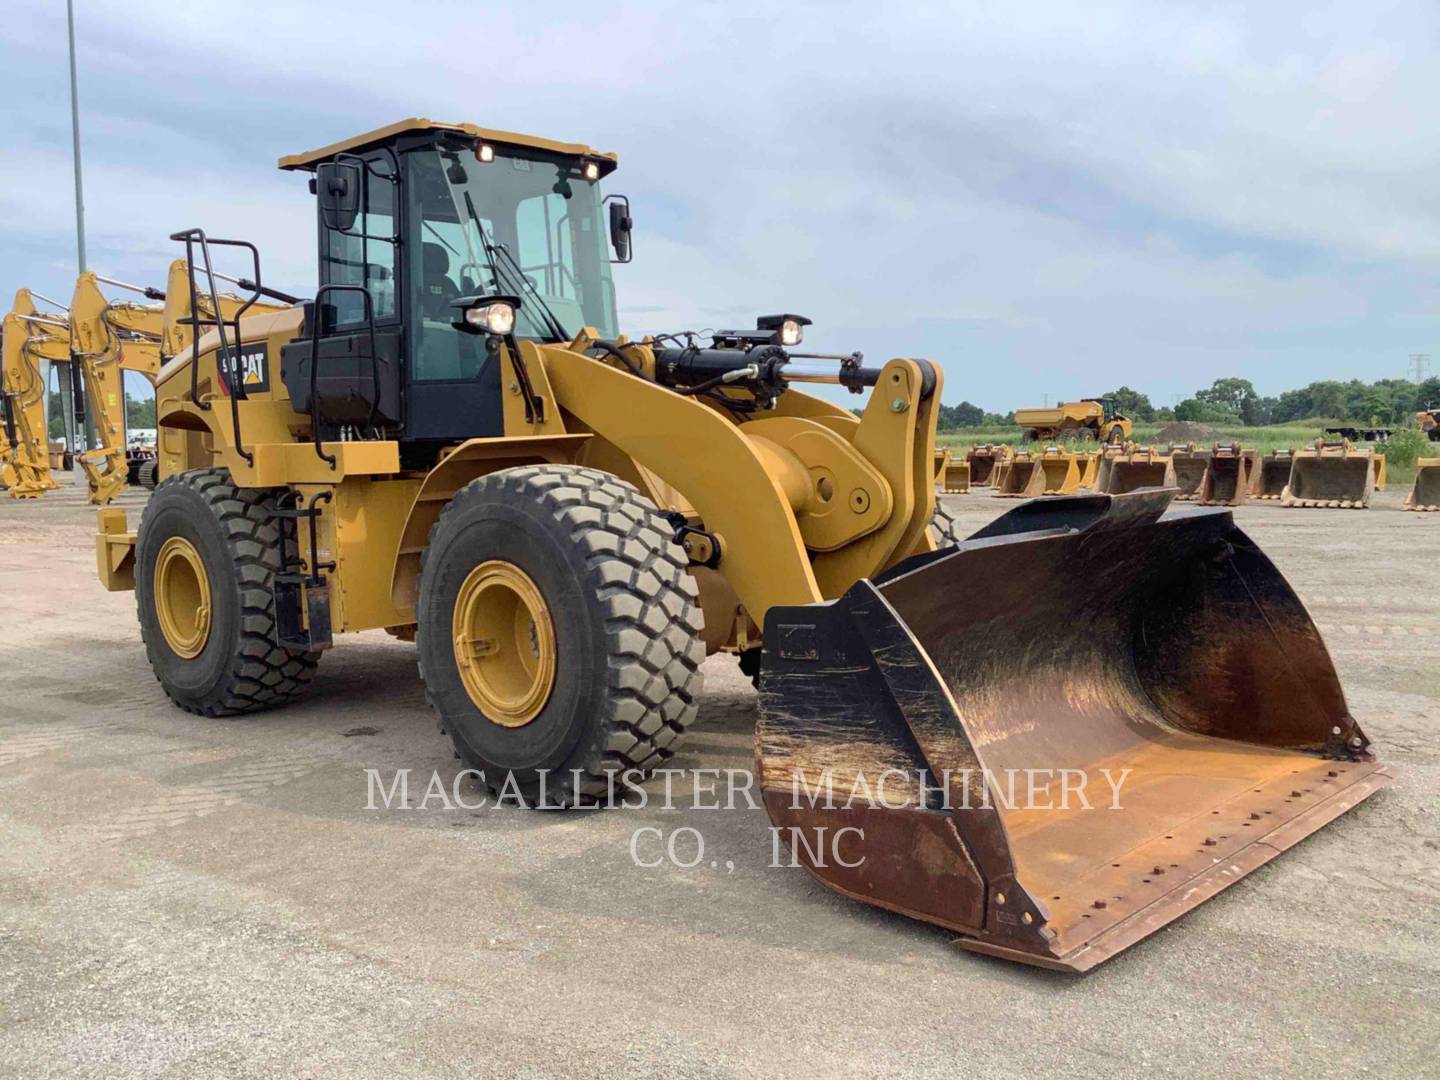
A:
(1051, 199)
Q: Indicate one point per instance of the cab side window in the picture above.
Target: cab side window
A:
(364, 254)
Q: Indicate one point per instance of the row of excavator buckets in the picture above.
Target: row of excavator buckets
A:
(1323, 475)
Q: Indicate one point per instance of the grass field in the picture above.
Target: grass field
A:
(1264, 439)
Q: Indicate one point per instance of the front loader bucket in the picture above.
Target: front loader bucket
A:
(1106, 465)
(1334, 476)
(1426, 493)
(925, 739)
(1189, 463)
(1089, 469)
(1061, 473)
(1227, 477)
(956, 480)
(1022, 478)
(983, 460)
(1274, 474)
(1141, 469)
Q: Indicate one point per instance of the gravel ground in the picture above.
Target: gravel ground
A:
(182, 896)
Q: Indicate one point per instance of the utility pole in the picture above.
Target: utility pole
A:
(69, 400)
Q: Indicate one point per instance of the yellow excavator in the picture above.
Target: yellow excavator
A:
(28, 337)
(109, 338)
(452, 440)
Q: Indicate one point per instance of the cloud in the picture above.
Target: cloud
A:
(1049, 199)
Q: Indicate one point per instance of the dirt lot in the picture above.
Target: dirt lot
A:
(180, 895)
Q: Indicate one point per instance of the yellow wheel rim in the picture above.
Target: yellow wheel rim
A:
(182, 597)
(504, 643)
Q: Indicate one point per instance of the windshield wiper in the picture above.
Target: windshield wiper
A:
(515, 276)
(552, 323)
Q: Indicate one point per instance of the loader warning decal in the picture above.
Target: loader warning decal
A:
(254, 367)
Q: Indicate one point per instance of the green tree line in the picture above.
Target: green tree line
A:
(1388, 402)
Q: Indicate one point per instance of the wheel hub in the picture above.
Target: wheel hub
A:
(182, 597)
(504, 643)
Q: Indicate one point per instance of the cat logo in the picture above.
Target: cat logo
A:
(254, 367)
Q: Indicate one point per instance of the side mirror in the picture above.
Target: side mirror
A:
(337, 186)
(620, 226)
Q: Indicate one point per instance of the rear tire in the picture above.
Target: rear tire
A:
(603, 672)
(226, 659)
(146, 474)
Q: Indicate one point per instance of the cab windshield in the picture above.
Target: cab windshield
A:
(525, 225)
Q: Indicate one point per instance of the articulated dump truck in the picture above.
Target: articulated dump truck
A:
(1088, 419)
(451, 441)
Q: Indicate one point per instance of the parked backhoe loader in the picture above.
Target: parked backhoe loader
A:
(1425, 495)
(452, 441)
(1336, 475)
(28, 337)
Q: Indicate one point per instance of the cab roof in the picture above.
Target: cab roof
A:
(310, 158)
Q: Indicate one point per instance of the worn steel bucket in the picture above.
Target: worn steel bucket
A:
(1228, 476)
(1189, 463)
(1140, 469)
(924, 738)
(1426, 493)
(1333, 475)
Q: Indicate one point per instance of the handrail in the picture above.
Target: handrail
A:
(229, 361)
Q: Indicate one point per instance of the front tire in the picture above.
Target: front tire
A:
(558, 632)
(206, 557)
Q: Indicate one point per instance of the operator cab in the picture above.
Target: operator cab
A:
(414, 218)
(1109, 407)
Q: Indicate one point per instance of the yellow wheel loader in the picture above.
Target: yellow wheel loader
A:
(451, 440)
(28, 336)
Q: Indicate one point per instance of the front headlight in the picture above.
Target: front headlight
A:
(786, 330)
(492, 315)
